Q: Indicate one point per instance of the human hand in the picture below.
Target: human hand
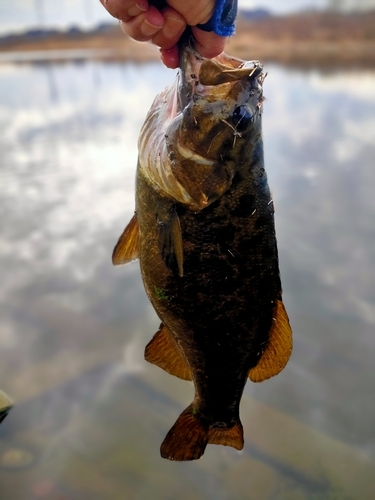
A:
(144, 22)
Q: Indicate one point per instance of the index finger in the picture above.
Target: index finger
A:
(124, 10)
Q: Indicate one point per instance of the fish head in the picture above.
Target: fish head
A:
(204, 125)
(220, 101)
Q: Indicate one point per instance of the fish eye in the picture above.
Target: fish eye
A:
(242, 118)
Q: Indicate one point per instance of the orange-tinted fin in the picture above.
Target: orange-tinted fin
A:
(127, 248)
(227, 437)
(163, 351)
(170, 241)
(279, 347)
(187, 439)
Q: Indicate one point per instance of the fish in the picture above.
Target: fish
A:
(203, 231)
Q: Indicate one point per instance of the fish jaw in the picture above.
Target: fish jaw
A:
(209, 126)
(190, 142)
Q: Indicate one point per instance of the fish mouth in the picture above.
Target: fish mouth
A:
(197, 73)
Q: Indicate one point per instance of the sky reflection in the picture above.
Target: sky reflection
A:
(69, 152)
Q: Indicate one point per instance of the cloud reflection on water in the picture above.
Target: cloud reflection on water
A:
(319, 158)
(67, 191)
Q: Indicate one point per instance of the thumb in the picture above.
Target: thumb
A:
(194, 11)
(208, 44)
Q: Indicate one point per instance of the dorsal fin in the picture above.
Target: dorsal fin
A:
(127, 247)
(279, 347)
(163, 351)
(170, 241)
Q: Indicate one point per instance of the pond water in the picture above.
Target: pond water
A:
(90, 413)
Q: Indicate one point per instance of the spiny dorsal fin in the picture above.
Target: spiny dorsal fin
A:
(279, 347)
(163, 351)
(127, 246)
(170, 241)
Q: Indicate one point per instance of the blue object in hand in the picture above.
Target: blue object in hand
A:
(223, 18)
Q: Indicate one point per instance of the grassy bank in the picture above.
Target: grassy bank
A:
(309, 39)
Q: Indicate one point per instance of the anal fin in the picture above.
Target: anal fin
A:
(127, 247)
(279, 347)
(164, 352)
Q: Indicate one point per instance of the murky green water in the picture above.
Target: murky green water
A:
(90, 413)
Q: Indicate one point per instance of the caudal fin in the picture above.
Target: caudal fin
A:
(189, 437)
(232, 436)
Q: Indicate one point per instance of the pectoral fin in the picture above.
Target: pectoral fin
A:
(170, 241)
(279, 347)
(163, 351)
(127, 246)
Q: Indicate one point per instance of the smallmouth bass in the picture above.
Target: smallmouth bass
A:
(204, 233)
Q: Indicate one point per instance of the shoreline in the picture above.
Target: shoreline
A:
(305, 40)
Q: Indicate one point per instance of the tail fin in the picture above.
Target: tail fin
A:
(232, 436)
(187, 439)
(189, 436)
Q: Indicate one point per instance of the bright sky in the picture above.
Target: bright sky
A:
(25, 14)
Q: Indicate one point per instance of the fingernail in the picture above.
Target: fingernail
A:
(135, 10)
(173, 27)
(143, 6)
(149, 29)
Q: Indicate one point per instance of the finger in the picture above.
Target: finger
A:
(170, 57)
(145, 26)
(194, 11)
(208, 44)
(174, 26)
(125, 9)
